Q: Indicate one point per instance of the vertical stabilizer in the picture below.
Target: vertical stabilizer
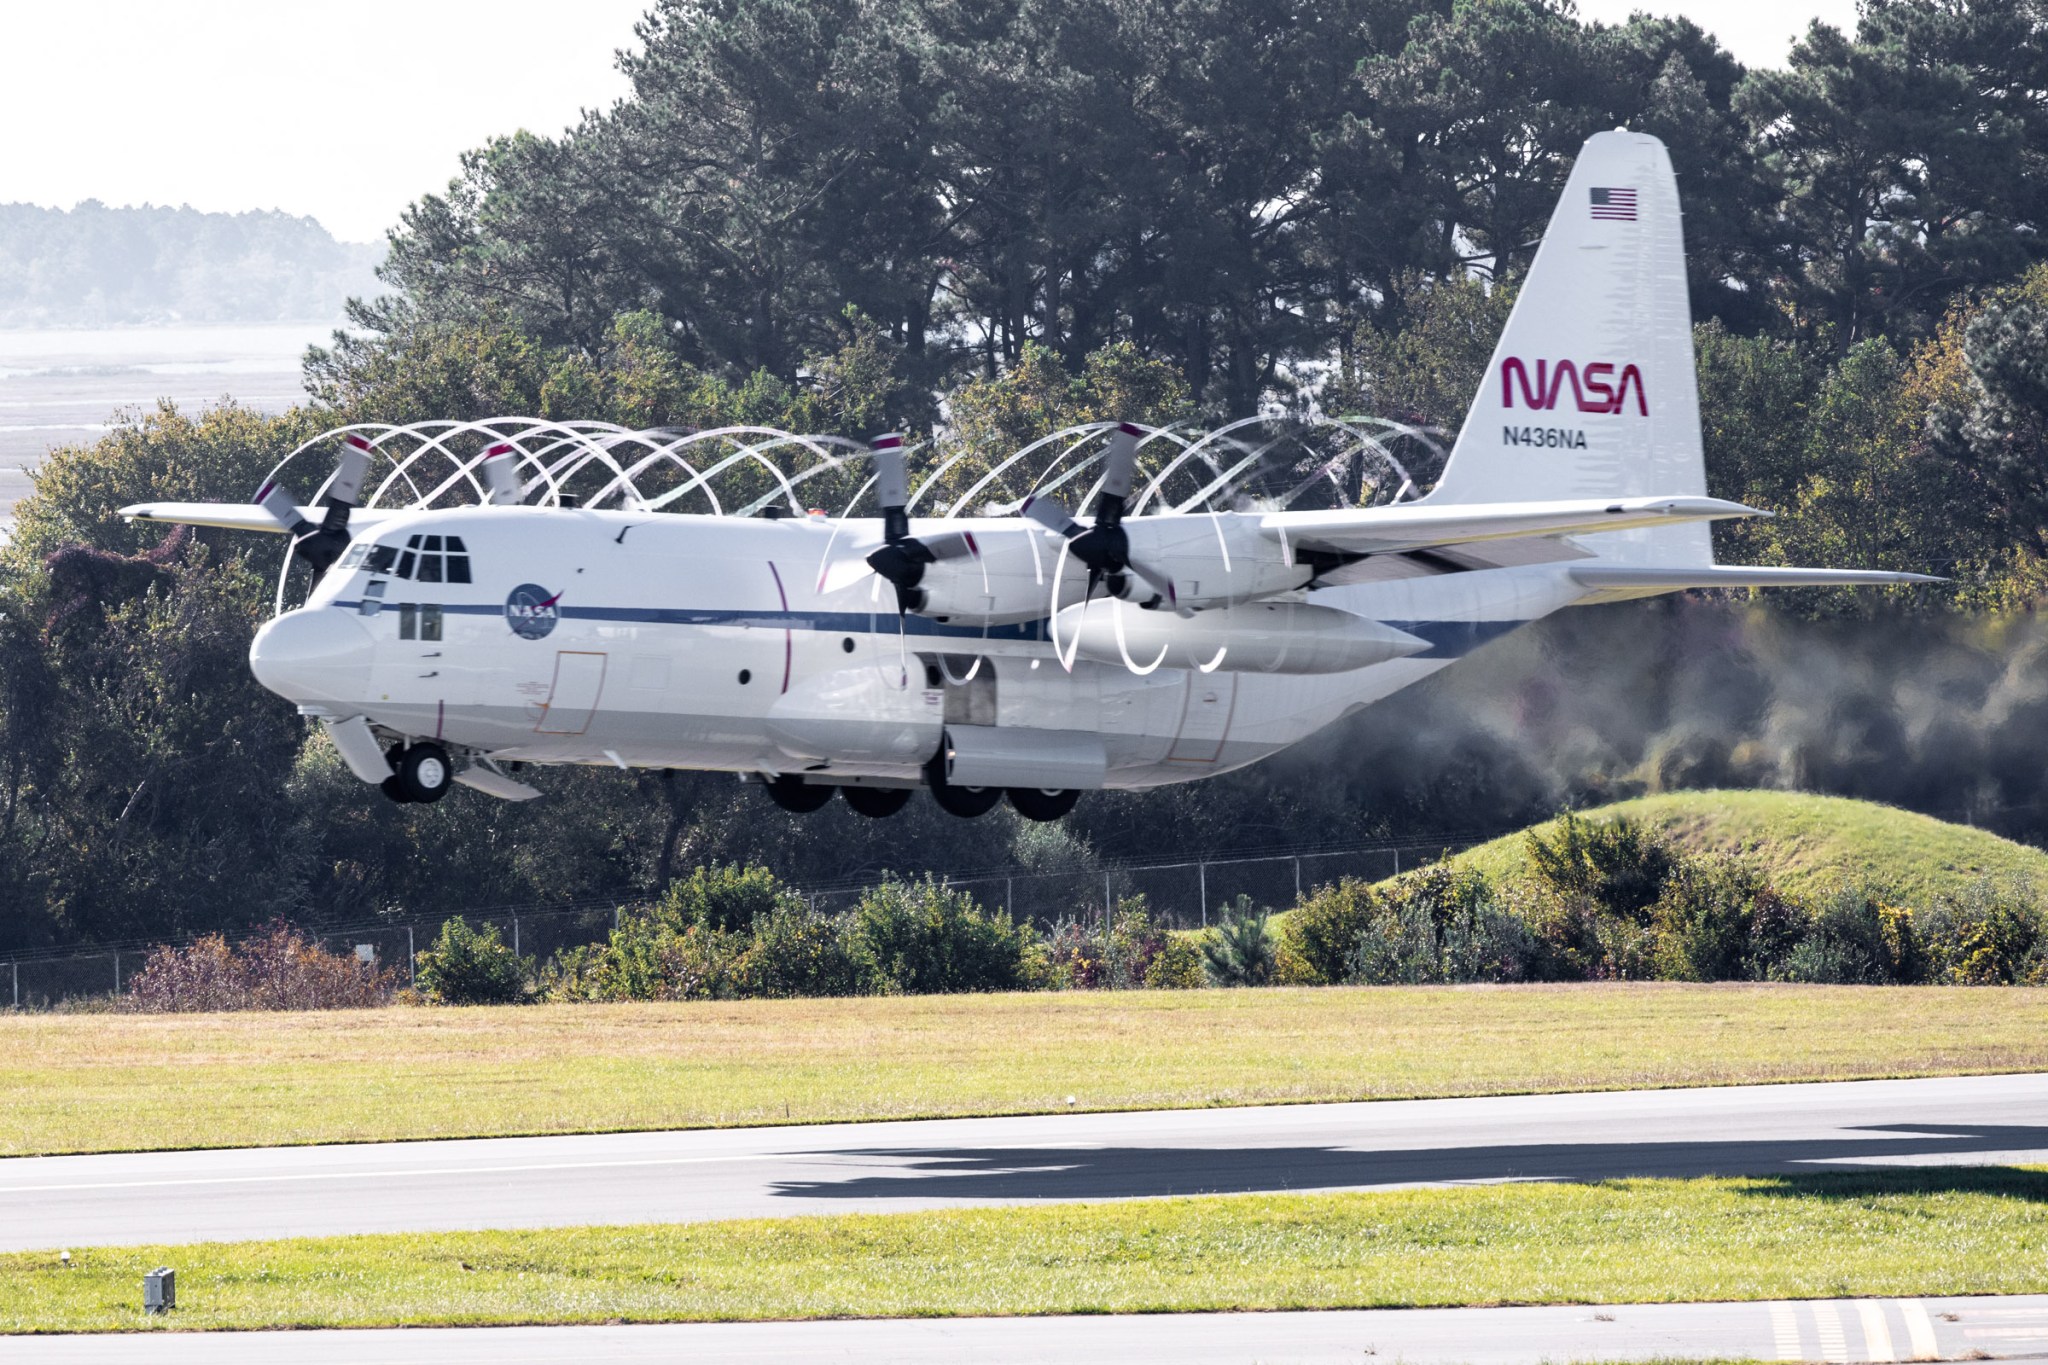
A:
(1591, 392)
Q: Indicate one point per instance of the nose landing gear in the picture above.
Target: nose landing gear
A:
(420, 772)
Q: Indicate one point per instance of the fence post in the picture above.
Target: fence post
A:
(615, 917)
(515, 935)
(117, 971)
(17, 983)
(1105, 903)
(1010, 897)
(410, 979)
(1297, 881)
(1397, 862)
(1202, 881)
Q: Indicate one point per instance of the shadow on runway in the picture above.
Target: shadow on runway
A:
(1062, 1173)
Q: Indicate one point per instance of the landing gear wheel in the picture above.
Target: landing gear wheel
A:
(1035, 804)
(876, 802)
(794, 794)
(425, 773)
(967, 802)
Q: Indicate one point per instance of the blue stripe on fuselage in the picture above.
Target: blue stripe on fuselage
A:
(1447, 639)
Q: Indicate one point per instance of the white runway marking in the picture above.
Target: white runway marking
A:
(1877, 1336)
(1785, 1332)
(1919, 1330)
(1827, 1323)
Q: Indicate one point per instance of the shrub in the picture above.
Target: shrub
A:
(466, 966)
(922, 938)
(1989, 935)
(1177, 966)
(796, 953)
(1239, 951)
(1702, 922)
(1851, 939)
(1321, 933)
(1617, 867)
(721, 897)
(1441, 926)
(278, 969)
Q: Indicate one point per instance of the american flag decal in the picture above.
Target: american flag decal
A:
(1614, 205)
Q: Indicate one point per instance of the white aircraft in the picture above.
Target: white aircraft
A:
(1031, 656)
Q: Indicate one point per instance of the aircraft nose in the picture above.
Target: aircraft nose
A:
(314, 654)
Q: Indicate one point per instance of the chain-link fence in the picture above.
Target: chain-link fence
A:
(1184, 894)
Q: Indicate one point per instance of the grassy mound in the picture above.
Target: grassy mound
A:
(1808, 843)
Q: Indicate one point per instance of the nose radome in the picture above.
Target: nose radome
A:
(314, 654)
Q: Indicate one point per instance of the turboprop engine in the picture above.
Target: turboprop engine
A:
(1254, 637)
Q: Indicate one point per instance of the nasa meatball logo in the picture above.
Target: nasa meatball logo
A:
(531, 611)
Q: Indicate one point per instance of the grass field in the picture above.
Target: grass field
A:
(127, 1082)
(1809, 843)
(1957, 1230)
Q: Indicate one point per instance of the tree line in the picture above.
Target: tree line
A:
(989, 220)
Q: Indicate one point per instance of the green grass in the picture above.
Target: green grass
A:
(1954, 1230)
(1809, 843)
(79, 1083)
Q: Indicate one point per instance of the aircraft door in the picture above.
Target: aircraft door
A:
(1204, 718)
(579, 682)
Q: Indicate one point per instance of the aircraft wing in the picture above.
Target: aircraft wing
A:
(1625, 577)
(233, 516)
(1419, 526)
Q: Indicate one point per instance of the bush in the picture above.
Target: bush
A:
(1177, 966)
(725, 898)
(796, 953)
(1239, 951)
(924, 938)
(1853, 939)
(466, 966)
(1441, 926)
(1321, 932)
(1616, 868)
(1990, 935)
(278, 969)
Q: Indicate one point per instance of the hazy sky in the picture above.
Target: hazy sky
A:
(349, 111)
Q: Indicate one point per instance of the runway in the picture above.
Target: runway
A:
(1851, 1329)
(73, 1201)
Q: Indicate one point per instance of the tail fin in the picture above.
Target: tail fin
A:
(1591, 392)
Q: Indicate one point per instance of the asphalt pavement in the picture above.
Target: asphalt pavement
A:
(231, 1194)
(1841, 1329)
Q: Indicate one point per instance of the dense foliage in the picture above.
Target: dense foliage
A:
(993, 220)
(1614, 901)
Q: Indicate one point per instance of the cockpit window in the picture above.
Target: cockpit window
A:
(381, 558)
(355, 556)
(429, 560)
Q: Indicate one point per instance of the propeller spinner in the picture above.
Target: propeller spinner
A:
(1105, 547)
(320, 545)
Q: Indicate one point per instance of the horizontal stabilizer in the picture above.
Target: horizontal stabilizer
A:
(233, 516)
(1418, 526)
(1645, 578)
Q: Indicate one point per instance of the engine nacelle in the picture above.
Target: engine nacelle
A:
(1212, 560)
(1255, 637)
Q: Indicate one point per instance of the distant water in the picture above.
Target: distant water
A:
(63, 386)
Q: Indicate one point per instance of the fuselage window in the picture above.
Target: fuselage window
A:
(416, 622)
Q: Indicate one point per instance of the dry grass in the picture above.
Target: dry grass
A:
(127, 1082)
(1944, 1231)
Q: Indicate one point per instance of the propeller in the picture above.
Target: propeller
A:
(501, 476)
(320, 545)
(903, 557)
(1105, 547)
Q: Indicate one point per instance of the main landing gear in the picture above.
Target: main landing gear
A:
(792, 793)
(420, 772)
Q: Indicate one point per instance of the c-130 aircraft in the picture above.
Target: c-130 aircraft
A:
(1028, 656)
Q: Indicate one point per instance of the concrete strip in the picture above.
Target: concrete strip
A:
(239, 1194)
(1480, 1336)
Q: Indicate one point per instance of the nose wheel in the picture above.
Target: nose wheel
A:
(421, 772)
